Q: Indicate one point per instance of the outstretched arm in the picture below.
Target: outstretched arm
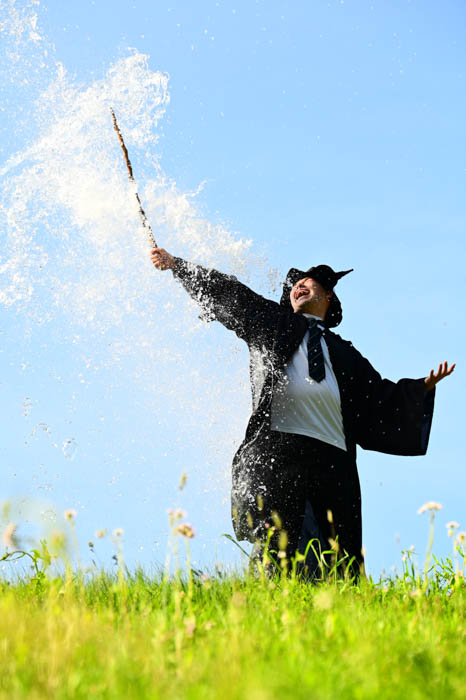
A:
(223, 298)
(435, 377)
(396, 417)
(390, 417)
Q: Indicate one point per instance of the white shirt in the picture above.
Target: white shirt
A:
(303, 406)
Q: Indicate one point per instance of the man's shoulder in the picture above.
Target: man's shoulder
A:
(336, 338)
(341, 344)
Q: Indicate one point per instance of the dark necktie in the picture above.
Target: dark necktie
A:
(315, 356)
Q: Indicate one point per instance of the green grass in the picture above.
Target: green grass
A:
(254, 635)
(240, 636)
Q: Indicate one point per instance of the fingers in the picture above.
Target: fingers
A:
(446, 370)
(442, 372)
(161, 259)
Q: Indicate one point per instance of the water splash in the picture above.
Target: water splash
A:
(41, 429)
(69, 214)
(27, 406)
(70, 448)
(74, 264)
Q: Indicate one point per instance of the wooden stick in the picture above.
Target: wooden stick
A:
(142, 213)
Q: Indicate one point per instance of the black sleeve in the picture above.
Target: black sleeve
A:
(223, 298)
(392, 417)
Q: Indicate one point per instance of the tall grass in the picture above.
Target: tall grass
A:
(247, 634)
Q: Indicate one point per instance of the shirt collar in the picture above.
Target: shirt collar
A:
(317, 318)
(313, 316)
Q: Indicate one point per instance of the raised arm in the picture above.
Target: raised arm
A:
(223, 298)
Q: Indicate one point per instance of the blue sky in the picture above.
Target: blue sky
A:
(323, 132)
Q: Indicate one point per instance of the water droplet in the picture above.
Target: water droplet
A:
(27, 406)
(40, 428)
(48, 514)
(70, 448)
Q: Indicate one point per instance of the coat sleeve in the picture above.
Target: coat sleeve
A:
(391, 417)
(223, 298)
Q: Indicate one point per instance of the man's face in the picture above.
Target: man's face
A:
(308, 296)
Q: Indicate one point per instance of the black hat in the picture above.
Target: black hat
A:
(327, 278)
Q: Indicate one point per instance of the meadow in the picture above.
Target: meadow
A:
(244, 634)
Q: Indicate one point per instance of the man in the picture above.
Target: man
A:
(314, 397)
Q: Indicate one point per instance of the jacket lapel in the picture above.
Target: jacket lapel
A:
(291, 329)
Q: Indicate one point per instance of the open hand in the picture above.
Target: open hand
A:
(161, 259)
(435, 377)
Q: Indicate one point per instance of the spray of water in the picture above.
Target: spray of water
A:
(74, 264)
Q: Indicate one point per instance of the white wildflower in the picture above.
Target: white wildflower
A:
(9, 537)
(185, 529)
(174, 516)
(70, 514)
(430, 505)
(451, 527)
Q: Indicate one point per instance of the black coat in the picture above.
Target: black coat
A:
(377, 413)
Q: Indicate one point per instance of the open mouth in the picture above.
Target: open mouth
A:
(301, 293)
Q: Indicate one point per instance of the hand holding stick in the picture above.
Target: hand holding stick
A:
(142, 213)
(161, 259)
